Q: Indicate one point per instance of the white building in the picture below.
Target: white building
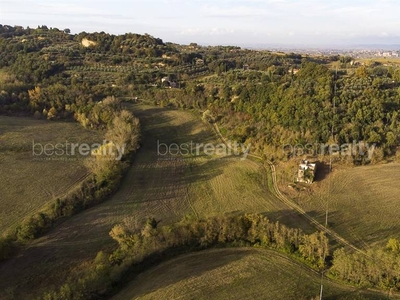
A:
(306, 171)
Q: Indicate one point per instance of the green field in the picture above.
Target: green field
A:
(28, 182)
(167, 189)
(238, 273)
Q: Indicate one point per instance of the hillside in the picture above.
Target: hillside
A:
(140, 92)
(166, 189)
(277, 99)
(234, 274)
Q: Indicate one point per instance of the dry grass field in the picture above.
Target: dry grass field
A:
(363, 202)
(238, 273)
(171, 187)
(28, 183)
(165, 188)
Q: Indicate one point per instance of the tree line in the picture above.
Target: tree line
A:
(122, 130)
(146, 245)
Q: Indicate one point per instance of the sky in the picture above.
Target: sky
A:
(307, 23)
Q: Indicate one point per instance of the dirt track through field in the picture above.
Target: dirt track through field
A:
(297, 208)
(162, 186)
(167, 188)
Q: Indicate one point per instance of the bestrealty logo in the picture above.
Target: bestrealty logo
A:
(354, 149)
(197, 149)
(107, 149)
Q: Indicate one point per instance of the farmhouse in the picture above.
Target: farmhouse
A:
(293, 71)
(87, 43)
(168, 83)
(306, 172)
(199, 62)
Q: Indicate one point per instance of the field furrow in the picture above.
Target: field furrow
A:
(167, 188)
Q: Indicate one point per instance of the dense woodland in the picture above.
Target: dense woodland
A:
(379, 268)
(276, 98)
(258, 97)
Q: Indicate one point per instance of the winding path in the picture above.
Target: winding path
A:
(290, 203)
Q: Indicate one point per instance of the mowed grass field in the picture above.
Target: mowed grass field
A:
(27, 181)
(363, 203)
(235, 273)
(165, 187)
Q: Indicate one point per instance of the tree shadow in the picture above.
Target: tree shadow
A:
(292, 219)
(323, 171)
(179, 268)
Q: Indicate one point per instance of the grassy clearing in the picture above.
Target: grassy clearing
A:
(27, 184)
(162, 187)
(242, 273)
(363, 202)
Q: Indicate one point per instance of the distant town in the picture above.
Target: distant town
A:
(355, 53)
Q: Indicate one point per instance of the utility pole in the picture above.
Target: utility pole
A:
(330, 170)
(320, 293)
(330, 152)
(326, 214)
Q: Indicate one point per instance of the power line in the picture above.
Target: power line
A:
(332, 139)
(322, 287)
(330, 170)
